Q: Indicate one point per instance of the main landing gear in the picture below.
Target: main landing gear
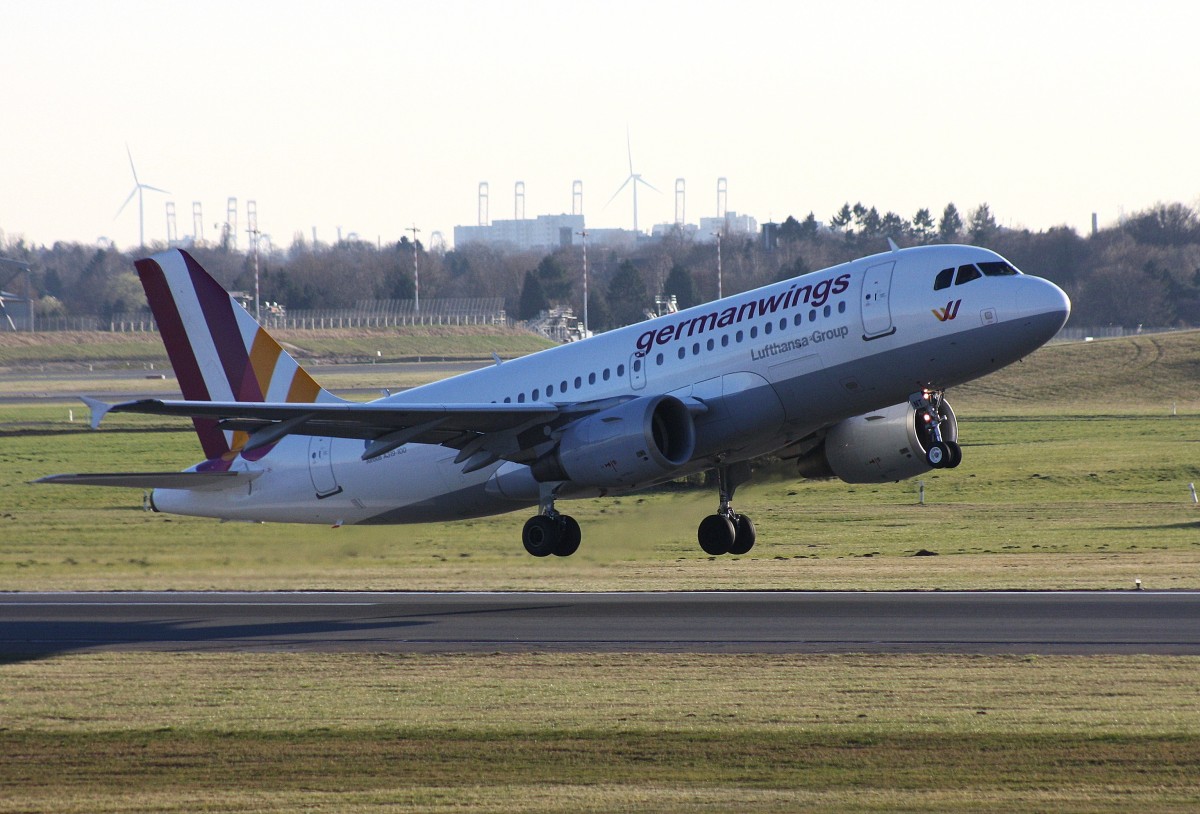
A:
(940, 452)
(550, 532)
(727, 532)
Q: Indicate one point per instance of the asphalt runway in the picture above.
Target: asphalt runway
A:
(33, 624)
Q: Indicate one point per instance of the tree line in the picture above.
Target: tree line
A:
(1143, 271)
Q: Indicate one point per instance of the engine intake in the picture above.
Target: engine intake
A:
(878, 447)
(623, 446)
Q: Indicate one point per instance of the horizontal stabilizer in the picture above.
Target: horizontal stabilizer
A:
(196, 481)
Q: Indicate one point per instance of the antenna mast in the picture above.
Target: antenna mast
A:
(416, 271)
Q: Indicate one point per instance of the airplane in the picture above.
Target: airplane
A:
(843, 370)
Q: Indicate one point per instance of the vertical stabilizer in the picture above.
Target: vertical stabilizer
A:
(218, 351)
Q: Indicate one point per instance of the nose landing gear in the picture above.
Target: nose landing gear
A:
(940, 452)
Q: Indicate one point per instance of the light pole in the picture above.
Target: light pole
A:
(718, 236)
(416, 271)
(254, 235)
(584, 235)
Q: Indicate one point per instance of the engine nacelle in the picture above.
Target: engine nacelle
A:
(878, 447)
(623, 446)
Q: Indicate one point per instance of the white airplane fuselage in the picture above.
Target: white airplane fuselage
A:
(761, 370)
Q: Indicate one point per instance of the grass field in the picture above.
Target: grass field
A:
(1076, 475)
(537, 732)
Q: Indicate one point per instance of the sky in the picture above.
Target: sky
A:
(374, 117)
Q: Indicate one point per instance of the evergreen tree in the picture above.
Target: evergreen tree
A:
(555, 279)
(923, 226)
(627, 295)
(533, 297)
(679, 282)
(983, 224)
(951, 226)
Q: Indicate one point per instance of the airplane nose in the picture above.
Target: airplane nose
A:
(1043, 302)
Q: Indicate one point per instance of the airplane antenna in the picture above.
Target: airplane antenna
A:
(680, 213)
(138, 189)
(577, 197)
(519, 200)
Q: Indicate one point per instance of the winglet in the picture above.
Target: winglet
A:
(98, 408)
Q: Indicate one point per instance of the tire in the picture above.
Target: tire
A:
(569, 536)
(938, 455)
(744, 536)
(541, 535)
(955, 454)
(716, 535)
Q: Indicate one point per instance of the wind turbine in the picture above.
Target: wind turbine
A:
(634, 179)
(138, 188)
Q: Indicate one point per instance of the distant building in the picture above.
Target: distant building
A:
(547, 232)
(731, 224)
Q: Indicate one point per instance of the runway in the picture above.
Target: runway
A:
(733, 622)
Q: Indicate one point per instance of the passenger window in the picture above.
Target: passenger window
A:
(711, 344)
(812, 315)
(578, 382)
(606, 374)
(637, 365)
(659, 360)
(783, 323)
(682, 353)
(739, 336)
(842, 307)
(768, 328)
(796, 320)
(536, 393)
(828, 310)
(966, 274)
(508, 399)
(549, 390)
(562, 388)
(695, 349)
(945, 276)
(620, 370)
(754, 332)
(592, 378)
(520, 398)
(725, 341)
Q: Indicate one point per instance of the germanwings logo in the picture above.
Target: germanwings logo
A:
(949, 312)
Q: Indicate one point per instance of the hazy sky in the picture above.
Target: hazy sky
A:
(373, 116)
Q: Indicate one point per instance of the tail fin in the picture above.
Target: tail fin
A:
(219, 352)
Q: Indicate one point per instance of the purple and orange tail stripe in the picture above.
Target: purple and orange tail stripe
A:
(218, 351)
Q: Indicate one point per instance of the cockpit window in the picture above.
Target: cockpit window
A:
(943, 280)
(966, 274)
(998, 268)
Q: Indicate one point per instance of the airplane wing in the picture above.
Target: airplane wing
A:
(483, 433)
(199, 481)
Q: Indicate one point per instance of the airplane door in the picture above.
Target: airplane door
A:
(320, 466)
(637, 372)
(876, 308)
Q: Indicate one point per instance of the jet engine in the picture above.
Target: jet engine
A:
(898, 442)
(623, 446)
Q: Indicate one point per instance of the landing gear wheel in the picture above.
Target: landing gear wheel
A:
(744, 536)
(955, 454)
(716, 535)
(938, 455)
(542, 535)
(569, 536)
